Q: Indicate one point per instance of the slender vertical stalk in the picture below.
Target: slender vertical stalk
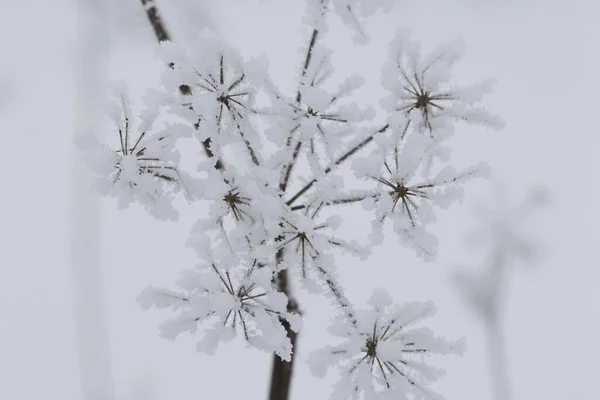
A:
(282, 371)
(92, 340)
(497, 284)
(497, 361)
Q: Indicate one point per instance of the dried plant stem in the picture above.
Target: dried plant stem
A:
(281, 372)
(156, 21)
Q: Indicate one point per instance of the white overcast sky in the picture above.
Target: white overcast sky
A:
(545, 56)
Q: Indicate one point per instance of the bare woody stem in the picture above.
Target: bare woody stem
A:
(162, 34)
(281, 373)
(156, 21)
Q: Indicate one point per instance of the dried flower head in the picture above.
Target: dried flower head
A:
(420, 91)
(382, 355)
(232, 301)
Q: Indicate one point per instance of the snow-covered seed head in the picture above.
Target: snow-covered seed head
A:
(231, 97)
(236, 202)
(142, 167)
(423, 100)
(382, 354)
(308, 242)
(426, 102)
(234, 301)
(221, 94)
(400, 193)
(371, 347)
(420, 88)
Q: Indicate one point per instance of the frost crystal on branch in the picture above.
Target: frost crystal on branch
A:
(382, 356)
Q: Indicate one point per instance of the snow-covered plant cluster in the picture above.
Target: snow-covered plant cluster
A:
(270, 174)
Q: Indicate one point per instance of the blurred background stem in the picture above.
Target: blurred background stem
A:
(87, 275)
(497, 361)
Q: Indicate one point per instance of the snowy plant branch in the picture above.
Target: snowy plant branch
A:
(162, 35)
(288, 168)
(255, 247)
(337, 162)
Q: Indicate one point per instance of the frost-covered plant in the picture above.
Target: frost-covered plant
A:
(419, 87)
(248, 303)
(272, 180)
(381, 350)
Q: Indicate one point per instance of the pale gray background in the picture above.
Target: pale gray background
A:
(545, 57)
